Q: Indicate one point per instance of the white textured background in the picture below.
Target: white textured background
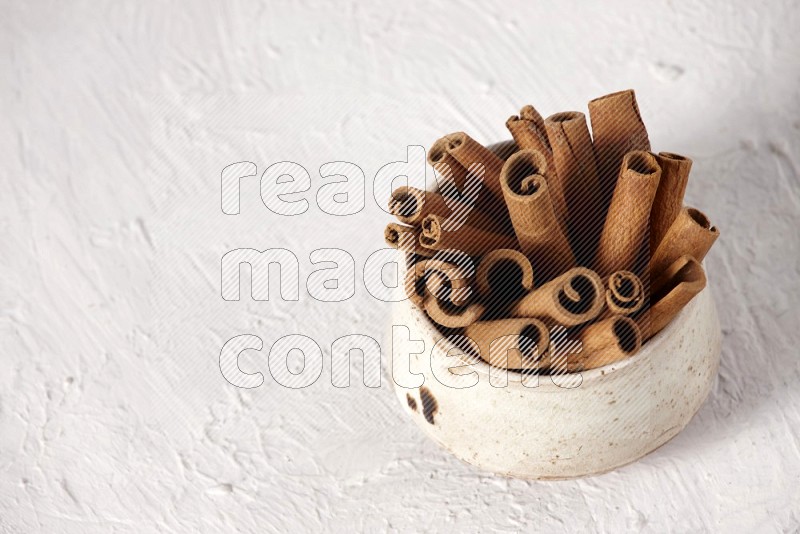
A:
(117, 120)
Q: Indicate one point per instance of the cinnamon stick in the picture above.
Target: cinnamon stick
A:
(502, 278)
(445, 280)
(684, 279)
(529, 133)
(573, 157)
(607, 341)
(669, 196)
(690, 234)
(510, 343)
(530, 114)
(405, 238)
(625, 294)
(525, 182)
(452, 316)
(528, 130)
(469, 188)
(440, 287)
(628, 221)
(573, 298)
(446, 166)
(503, 267)
(467, 152)
(470, 239)
(411, 205)
(414, 286)
(617, 128)
(439, 278)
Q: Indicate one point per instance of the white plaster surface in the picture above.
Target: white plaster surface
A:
(117, 120)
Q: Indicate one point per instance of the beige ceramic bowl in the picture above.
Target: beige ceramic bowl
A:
(616, 415)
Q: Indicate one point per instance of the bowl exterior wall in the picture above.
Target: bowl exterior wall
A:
(616, 415)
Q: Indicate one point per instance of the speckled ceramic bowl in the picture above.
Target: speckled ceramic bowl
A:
(616, 415)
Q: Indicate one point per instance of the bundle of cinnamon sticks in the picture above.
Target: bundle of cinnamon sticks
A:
(569, 228)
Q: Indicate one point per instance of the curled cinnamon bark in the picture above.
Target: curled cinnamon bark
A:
(472, 186)
(669, 196)
(529, 133)
(617, 128)
(450, 315)
(446, 280)
(510, 343)
(405, 238)
(446, 166)
(502, 278)
(442, 279)
(573, 157)
(683, 280)
(440, 286)
(503, 267)
(468, 152)
(528, 130)
(628, 220)
(411, 205)
(624, 294)
(607, 341)
(541, 238)
(470, 239)
(573, 298)
(691, 234)
(530, 114)
(415, 288)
